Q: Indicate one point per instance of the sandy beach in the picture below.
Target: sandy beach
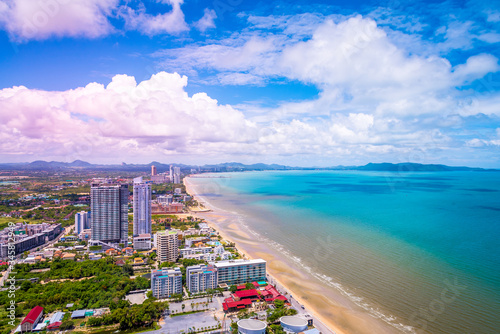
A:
(332, 308)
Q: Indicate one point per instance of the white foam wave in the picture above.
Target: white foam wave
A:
(329, 281)
(373, 311)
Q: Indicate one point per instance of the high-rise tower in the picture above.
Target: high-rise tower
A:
(142, 207)
(109, 219)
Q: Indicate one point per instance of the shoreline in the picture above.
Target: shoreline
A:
(334, 311)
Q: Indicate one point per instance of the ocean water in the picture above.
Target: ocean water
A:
(419, 250)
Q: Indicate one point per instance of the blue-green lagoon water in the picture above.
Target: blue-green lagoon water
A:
(417, 249)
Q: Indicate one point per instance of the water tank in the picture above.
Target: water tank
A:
(293, 324)
(251, 326)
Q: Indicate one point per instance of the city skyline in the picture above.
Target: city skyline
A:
(300, 84)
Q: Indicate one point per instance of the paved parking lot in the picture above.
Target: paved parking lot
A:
(136, 298)
(185, 323)
(196, 305)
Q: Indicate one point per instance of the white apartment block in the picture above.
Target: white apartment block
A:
(198, 250)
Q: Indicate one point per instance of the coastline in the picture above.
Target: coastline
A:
(336, 312)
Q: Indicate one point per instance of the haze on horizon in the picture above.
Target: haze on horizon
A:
(301, 84)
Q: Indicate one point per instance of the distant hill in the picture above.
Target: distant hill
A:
(227, 167)
(413, 167)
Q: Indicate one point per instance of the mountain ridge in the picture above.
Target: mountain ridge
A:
(234, 166)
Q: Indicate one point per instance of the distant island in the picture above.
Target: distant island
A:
(229, 167)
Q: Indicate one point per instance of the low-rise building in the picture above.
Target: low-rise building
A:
(68, 256)
(32, 319)
(158, 208)
(142, 242)
(85, 234)
(195, 250)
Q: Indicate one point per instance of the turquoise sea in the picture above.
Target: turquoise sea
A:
(417, 249)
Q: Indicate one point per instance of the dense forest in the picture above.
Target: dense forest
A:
(87, 285)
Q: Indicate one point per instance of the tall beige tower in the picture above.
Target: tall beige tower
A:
(153, 170)
(167, 246)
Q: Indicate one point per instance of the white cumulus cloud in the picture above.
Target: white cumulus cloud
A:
(27, 19)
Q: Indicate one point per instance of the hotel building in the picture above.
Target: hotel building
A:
(240, 271)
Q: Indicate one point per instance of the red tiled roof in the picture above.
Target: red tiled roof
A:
(231, 304)
(241, 287)
(246, 293)
(54, 325)
(32, 315)
(271, 289)
(270, 294)
(255, 284)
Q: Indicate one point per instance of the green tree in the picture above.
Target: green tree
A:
(234, 328)
(128, 269)
(150, 296)
(279, 303)
(65, 325)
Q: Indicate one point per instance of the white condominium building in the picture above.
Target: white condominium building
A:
(240, 271)
(166, 282)
(200, 278)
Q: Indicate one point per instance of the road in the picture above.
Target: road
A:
(66, 231)
(298, 306)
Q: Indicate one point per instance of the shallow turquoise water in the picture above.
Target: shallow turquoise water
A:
(421, 250)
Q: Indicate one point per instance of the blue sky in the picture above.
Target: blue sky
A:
(303, 83)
